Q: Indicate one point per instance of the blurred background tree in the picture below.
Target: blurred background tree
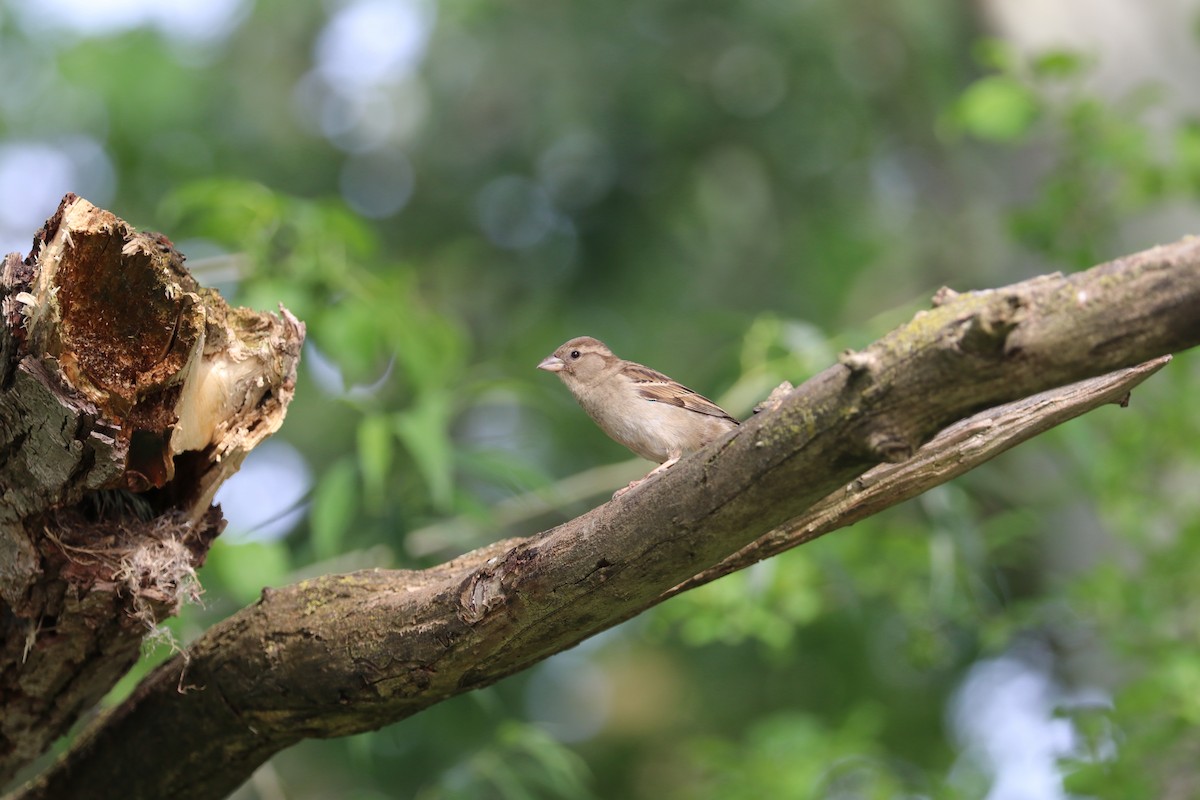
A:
(446, 191)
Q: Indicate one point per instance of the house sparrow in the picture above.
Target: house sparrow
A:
(646, 411)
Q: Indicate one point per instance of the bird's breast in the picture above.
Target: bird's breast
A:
(655, 431)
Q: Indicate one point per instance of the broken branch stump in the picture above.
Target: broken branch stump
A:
(128, 394)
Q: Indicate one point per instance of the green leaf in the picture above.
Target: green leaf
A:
(352, 338)
(231, 211)
(430, 348)
(266, 294)
(1086, 779)
(334, 502)
(424, 430)
(994, 54)
(376, 449)
(1187, 145)
(502, 468)
(997, 108)
(555, 765)
(1059, 64)
(246, 568)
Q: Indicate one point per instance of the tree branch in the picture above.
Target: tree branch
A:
(347, 653)
(954, 451)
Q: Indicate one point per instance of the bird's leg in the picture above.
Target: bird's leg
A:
(663, 467)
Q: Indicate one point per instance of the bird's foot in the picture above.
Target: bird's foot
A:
(663, 467)
(625, 489)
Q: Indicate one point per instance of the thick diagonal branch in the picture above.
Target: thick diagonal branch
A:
(347, 653)
(954, 451)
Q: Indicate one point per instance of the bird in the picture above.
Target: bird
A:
(654, 416)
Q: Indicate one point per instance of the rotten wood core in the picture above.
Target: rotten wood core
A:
(128, 394)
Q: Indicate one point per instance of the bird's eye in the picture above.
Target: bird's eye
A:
(574, 354)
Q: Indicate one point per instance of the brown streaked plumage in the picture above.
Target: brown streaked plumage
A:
(656, 387)
(641, 408)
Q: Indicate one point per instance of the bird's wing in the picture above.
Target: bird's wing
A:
(658, 388)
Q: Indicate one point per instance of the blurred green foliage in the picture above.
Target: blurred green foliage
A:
(732, 194)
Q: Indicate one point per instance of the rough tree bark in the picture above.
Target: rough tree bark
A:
(127, 395)
(347, 653)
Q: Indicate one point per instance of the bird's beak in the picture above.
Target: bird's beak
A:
(552, 364)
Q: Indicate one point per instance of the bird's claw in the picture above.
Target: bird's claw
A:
(663, 467)
(625, 489)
